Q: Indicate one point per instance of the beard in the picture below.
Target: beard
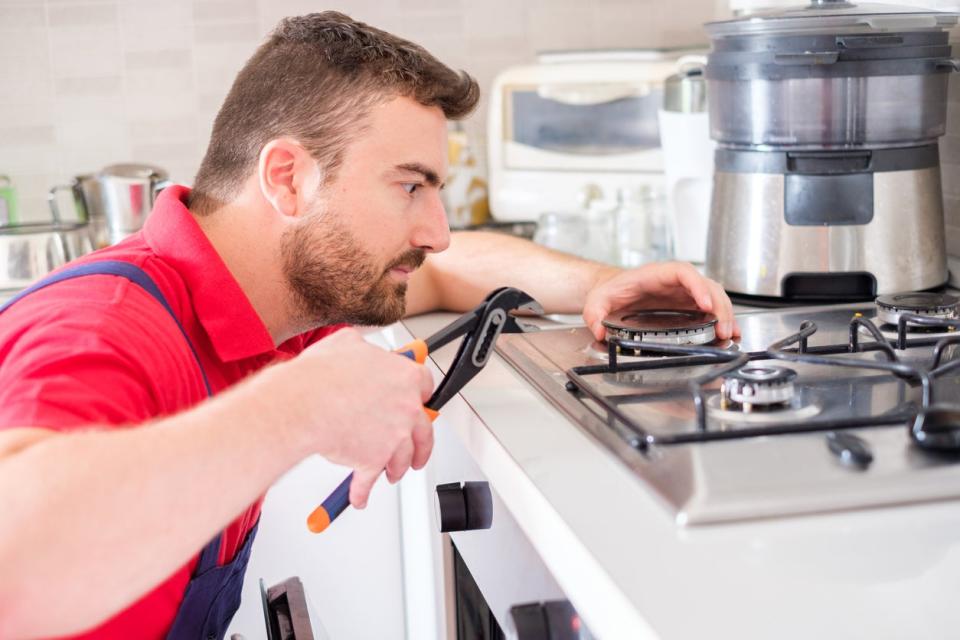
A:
(334, 279)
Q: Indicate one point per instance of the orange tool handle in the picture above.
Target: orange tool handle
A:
(337, 502)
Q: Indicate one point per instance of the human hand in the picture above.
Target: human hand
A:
(358, 405)
(660, 285)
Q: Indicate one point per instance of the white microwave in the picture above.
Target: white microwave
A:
(575, 123)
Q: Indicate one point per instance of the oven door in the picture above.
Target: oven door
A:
(496, 584)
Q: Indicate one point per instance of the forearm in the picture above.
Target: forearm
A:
(478, 262)
(125, 508)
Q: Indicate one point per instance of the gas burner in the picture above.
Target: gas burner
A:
(661, 326)
(932, 305)
(757, 388)
(600, 351)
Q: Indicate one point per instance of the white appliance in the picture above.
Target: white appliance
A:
(687, 158)
(575, 125)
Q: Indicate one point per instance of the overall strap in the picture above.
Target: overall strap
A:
(122, 269)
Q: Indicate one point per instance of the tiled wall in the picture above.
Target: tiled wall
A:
(86, 83)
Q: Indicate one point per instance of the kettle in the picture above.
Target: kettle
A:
(115, 201)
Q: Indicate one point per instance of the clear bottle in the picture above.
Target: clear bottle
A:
(641, 232)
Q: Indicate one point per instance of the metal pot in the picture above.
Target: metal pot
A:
(115, 201)
(830, 75)
(31, 251)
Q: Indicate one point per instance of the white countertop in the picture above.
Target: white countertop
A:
(631, 572)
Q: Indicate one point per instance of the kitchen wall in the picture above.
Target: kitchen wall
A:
(89, 83)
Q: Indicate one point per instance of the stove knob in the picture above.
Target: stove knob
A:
(464, 507)
(554, 620)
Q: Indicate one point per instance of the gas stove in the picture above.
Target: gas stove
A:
(813, 410)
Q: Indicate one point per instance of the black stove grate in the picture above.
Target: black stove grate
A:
(931, 426)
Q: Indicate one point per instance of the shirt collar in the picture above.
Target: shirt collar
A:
(221, 306)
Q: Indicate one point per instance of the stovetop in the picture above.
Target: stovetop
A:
(842, 442)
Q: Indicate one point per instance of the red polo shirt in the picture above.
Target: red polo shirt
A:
(100, 350)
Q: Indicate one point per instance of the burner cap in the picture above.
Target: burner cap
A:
(758, 386)
(935, 305)
(663, 326)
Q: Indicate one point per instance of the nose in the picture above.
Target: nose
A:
(432, 232)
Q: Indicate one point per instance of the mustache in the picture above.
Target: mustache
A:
(411, 259)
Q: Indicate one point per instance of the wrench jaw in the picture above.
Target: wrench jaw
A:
(492, 318)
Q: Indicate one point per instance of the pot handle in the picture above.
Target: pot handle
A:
(691, 64)
(952, 64)
(807, 58)
(159, 186)
(52, 201)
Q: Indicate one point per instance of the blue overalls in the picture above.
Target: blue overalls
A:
(213, 593)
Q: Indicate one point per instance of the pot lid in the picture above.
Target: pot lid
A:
(834, 16)
(133, 170)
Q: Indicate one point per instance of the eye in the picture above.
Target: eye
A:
(410, 187)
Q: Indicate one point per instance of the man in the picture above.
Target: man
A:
(317, 201)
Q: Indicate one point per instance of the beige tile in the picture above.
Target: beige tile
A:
(96, 86)
(182, 129)
(91, 133)
(82, 15)
(25, 83)
(21, 16)
(23, 44)
(159, 15)
(552, 29)
(423, 26)
(165, 154)
(167, 82)
(21, 135)
(80, 159)
(181, 59)
(39, 112)
(41, 159)
(160, 104)
(225, 11)
(89, 107)
(162, 37)
(85, 51)
(215, 33)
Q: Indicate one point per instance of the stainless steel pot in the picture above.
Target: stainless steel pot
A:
(830, 75)
(31, 251)
(115, 201)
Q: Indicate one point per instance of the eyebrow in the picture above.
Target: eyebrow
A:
(428, 174)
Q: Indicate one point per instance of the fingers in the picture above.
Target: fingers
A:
(362, 484)
(426, 383)
(422, 444)
(400, 461)
(593, 315)
(696, 285)
(723, 309)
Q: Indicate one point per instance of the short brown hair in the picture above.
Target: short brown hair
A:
(315, 80)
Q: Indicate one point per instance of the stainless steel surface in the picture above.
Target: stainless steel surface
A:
(827, 16)
(814, 113)
(115, 201)
(751, 248)
(762, 476)
(662, 326)
(29, 252)
(128, 194)
(761, 386)
(686, 90)
(931, 305)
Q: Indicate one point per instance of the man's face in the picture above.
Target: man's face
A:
(349, 257)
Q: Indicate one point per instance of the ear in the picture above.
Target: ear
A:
(289, 176)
